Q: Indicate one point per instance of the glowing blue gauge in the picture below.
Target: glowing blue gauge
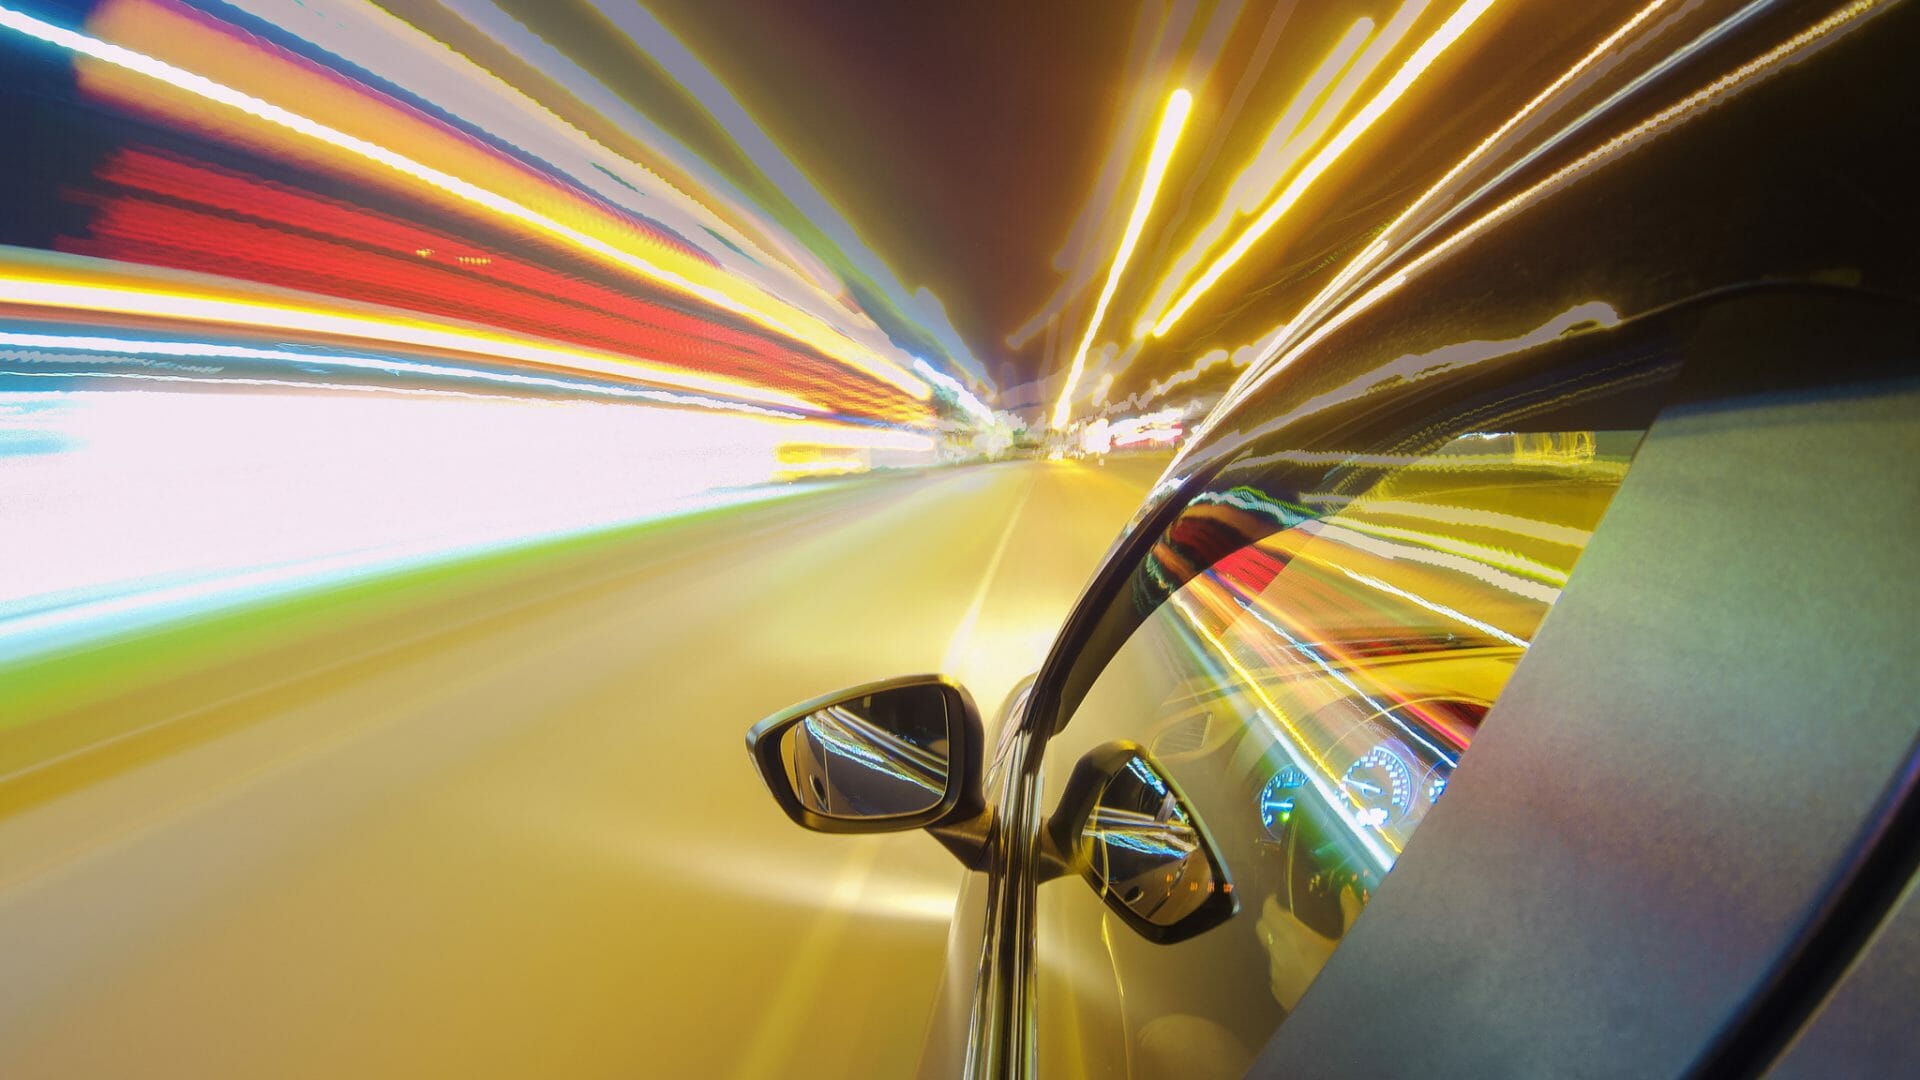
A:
(1276, 799)
(1436, 785)
(1381, 787)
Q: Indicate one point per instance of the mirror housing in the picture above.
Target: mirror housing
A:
(1125, 826)
(877, 746)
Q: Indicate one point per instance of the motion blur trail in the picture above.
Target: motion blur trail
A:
(495, 819)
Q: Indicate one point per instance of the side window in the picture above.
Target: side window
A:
(1311, 683)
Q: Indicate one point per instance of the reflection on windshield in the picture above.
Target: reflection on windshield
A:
(1363, 648)
(1316, 667)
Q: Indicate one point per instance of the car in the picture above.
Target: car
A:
(1514, 673)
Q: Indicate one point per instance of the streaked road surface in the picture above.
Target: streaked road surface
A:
(499, 822)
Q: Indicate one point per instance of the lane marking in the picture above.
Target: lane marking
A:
(963, 634)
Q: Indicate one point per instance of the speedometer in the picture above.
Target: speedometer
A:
(1380, 785)
(1276, 798)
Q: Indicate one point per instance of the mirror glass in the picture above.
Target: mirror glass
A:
(1142, 848)
(879, 756)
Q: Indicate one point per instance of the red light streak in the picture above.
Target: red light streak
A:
(163, 211)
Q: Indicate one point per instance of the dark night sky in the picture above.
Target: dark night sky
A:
(960, 138)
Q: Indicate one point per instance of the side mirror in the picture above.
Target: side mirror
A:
(1125, 826)
(885, 757)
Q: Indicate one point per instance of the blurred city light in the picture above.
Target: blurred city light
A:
(346, 301)
(1179, 104)
(431, 430)
(1376, 107)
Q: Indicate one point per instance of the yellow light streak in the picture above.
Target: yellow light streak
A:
(1708, 97)
(1372, 253)
(1360, 54)
(1430, 50)
(1367, 256)
(1172, 120)
(761, 310)
(1298, 742)
(1257, 180)
(1471, 517)
(23, 282)
(1486, 554)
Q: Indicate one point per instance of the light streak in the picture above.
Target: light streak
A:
(1240, 358)
(1380, 243)
(46, 290)
(1310, 114)
(973, 405)
(1254, 608)
(1429, 51)
(1286, 144)
(1411, 366)
(660, 44)
(207, 350)
(263, 492)
(337, 300)
(884, 751)
(1296, 745)
(121, 612)
(490, 20)
(1155, 47)
(1420, 551)
(1172, 120)
(1157, 427)
(1438, 608)
(1474, 517)
(762, 310)
(1706, 98)
(725, 210)
(179, 214)
(277, 384)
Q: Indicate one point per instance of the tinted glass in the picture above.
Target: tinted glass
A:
(1312, 692)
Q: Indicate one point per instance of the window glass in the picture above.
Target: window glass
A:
(1312, 692)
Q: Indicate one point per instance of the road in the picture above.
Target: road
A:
(499, 821)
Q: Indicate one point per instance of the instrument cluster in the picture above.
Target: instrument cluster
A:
(1378, 785)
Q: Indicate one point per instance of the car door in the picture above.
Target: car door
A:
(1328, 616)
(1311, 645)
(1517, 553)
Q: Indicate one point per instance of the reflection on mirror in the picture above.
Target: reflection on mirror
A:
(1141, 847)
(878, 756)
